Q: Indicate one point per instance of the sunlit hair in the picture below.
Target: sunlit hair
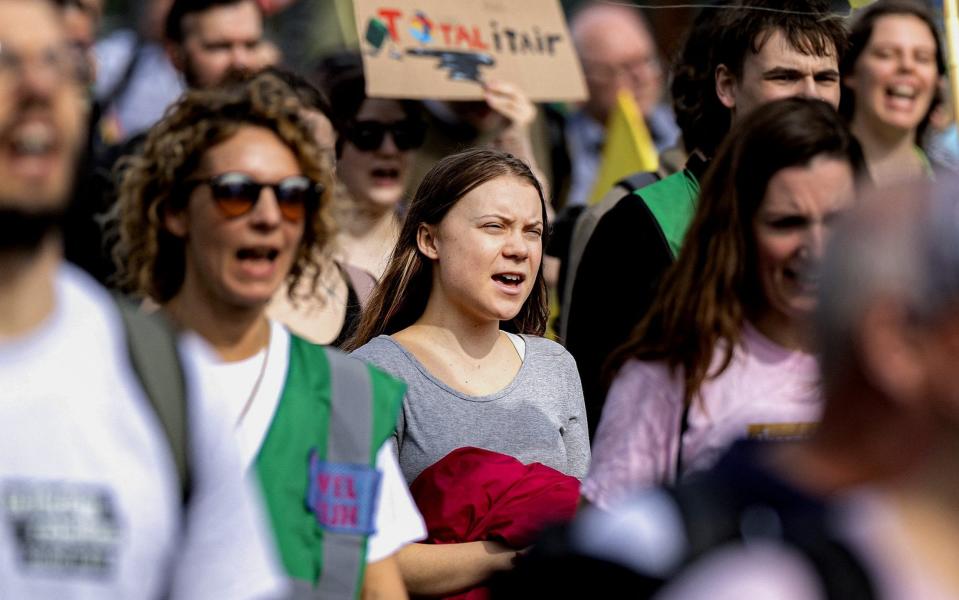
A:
(860, 31)
(401, 295)
(713, 286)
(151, 260)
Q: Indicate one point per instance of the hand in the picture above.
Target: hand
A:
(509, 100)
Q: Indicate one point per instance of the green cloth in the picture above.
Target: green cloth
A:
(672, 201)
(300, 425)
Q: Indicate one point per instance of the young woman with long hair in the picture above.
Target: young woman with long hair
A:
(458, 315)
(724, 351)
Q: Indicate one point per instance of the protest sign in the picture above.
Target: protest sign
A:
(445, 49)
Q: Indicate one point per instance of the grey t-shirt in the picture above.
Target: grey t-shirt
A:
(538, 417)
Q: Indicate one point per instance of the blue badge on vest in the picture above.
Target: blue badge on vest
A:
(343, 497)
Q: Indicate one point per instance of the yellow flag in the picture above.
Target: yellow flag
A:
(860, 3)
(628, 148)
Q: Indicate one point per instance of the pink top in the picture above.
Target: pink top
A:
(767, 392)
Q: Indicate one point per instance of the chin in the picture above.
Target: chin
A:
(251, 297)
(390, 200)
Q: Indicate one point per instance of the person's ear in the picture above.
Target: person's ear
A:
(176, 221)
(891, 353)
(726, 86)
(426, 241)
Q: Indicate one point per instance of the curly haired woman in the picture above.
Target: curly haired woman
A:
(225, 204)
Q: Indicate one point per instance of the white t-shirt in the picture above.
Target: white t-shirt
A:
(90, 501)
(397, 520)
(766, 392)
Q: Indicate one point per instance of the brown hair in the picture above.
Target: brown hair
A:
(151, 261)
(401, 295)
(712, 288)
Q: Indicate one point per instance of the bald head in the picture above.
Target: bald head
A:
(617, 51)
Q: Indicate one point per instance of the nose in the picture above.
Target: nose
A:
(243, 58)
(814, 244)
(809, 89)
(515, 247)
(266, 212)
(388, 145)
(906, 62)
(38, 79)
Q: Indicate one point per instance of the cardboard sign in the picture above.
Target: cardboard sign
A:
(445, 49)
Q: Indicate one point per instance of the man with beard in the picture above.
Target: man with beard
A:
(206, 39)
(90, 504)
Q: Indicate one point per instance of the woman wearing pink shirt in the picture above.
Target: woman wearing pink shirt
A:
(724, 351)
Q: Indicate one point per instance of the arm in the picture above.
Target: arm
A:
(383, 581)
(445, 569)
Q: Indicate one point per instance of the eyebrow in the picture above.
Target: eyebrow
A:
(796, 73)
(506, 219)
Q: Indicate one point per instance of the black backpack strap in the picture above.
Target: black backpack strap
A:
(633, 182)
(155, 360)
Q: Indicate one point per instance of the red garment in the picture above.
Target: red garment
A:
(473, 494)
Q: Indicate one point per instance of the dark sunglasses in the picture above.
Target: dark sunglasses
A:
(368, 135)
(236, 194)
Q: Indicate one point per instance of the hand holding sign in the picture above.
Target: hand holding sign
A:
(509, 100)
(518, 113)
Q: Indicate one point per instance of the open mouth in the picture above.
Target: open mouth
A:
(807, 279)
(32, 146)
(510, 280)
(260, 253)
(385, 175)
(902, 91)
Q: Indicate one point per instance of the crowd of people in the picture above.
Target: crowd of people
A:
(265, 336)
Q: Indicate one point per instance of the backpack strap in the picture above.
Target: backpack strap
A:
(350, 441)
(633, 182)
(155, 360)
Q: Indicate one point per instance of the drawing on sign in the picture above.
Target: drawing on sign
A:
(422, 29)
(463, 66)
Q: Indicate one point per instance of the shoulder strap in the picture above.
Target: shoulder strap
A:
(636, 181)
(156, 362)
(120, 87)
(359, 281)
(350, 441)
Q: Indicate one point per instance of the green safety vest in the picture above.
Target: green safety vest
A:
(317, 466)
